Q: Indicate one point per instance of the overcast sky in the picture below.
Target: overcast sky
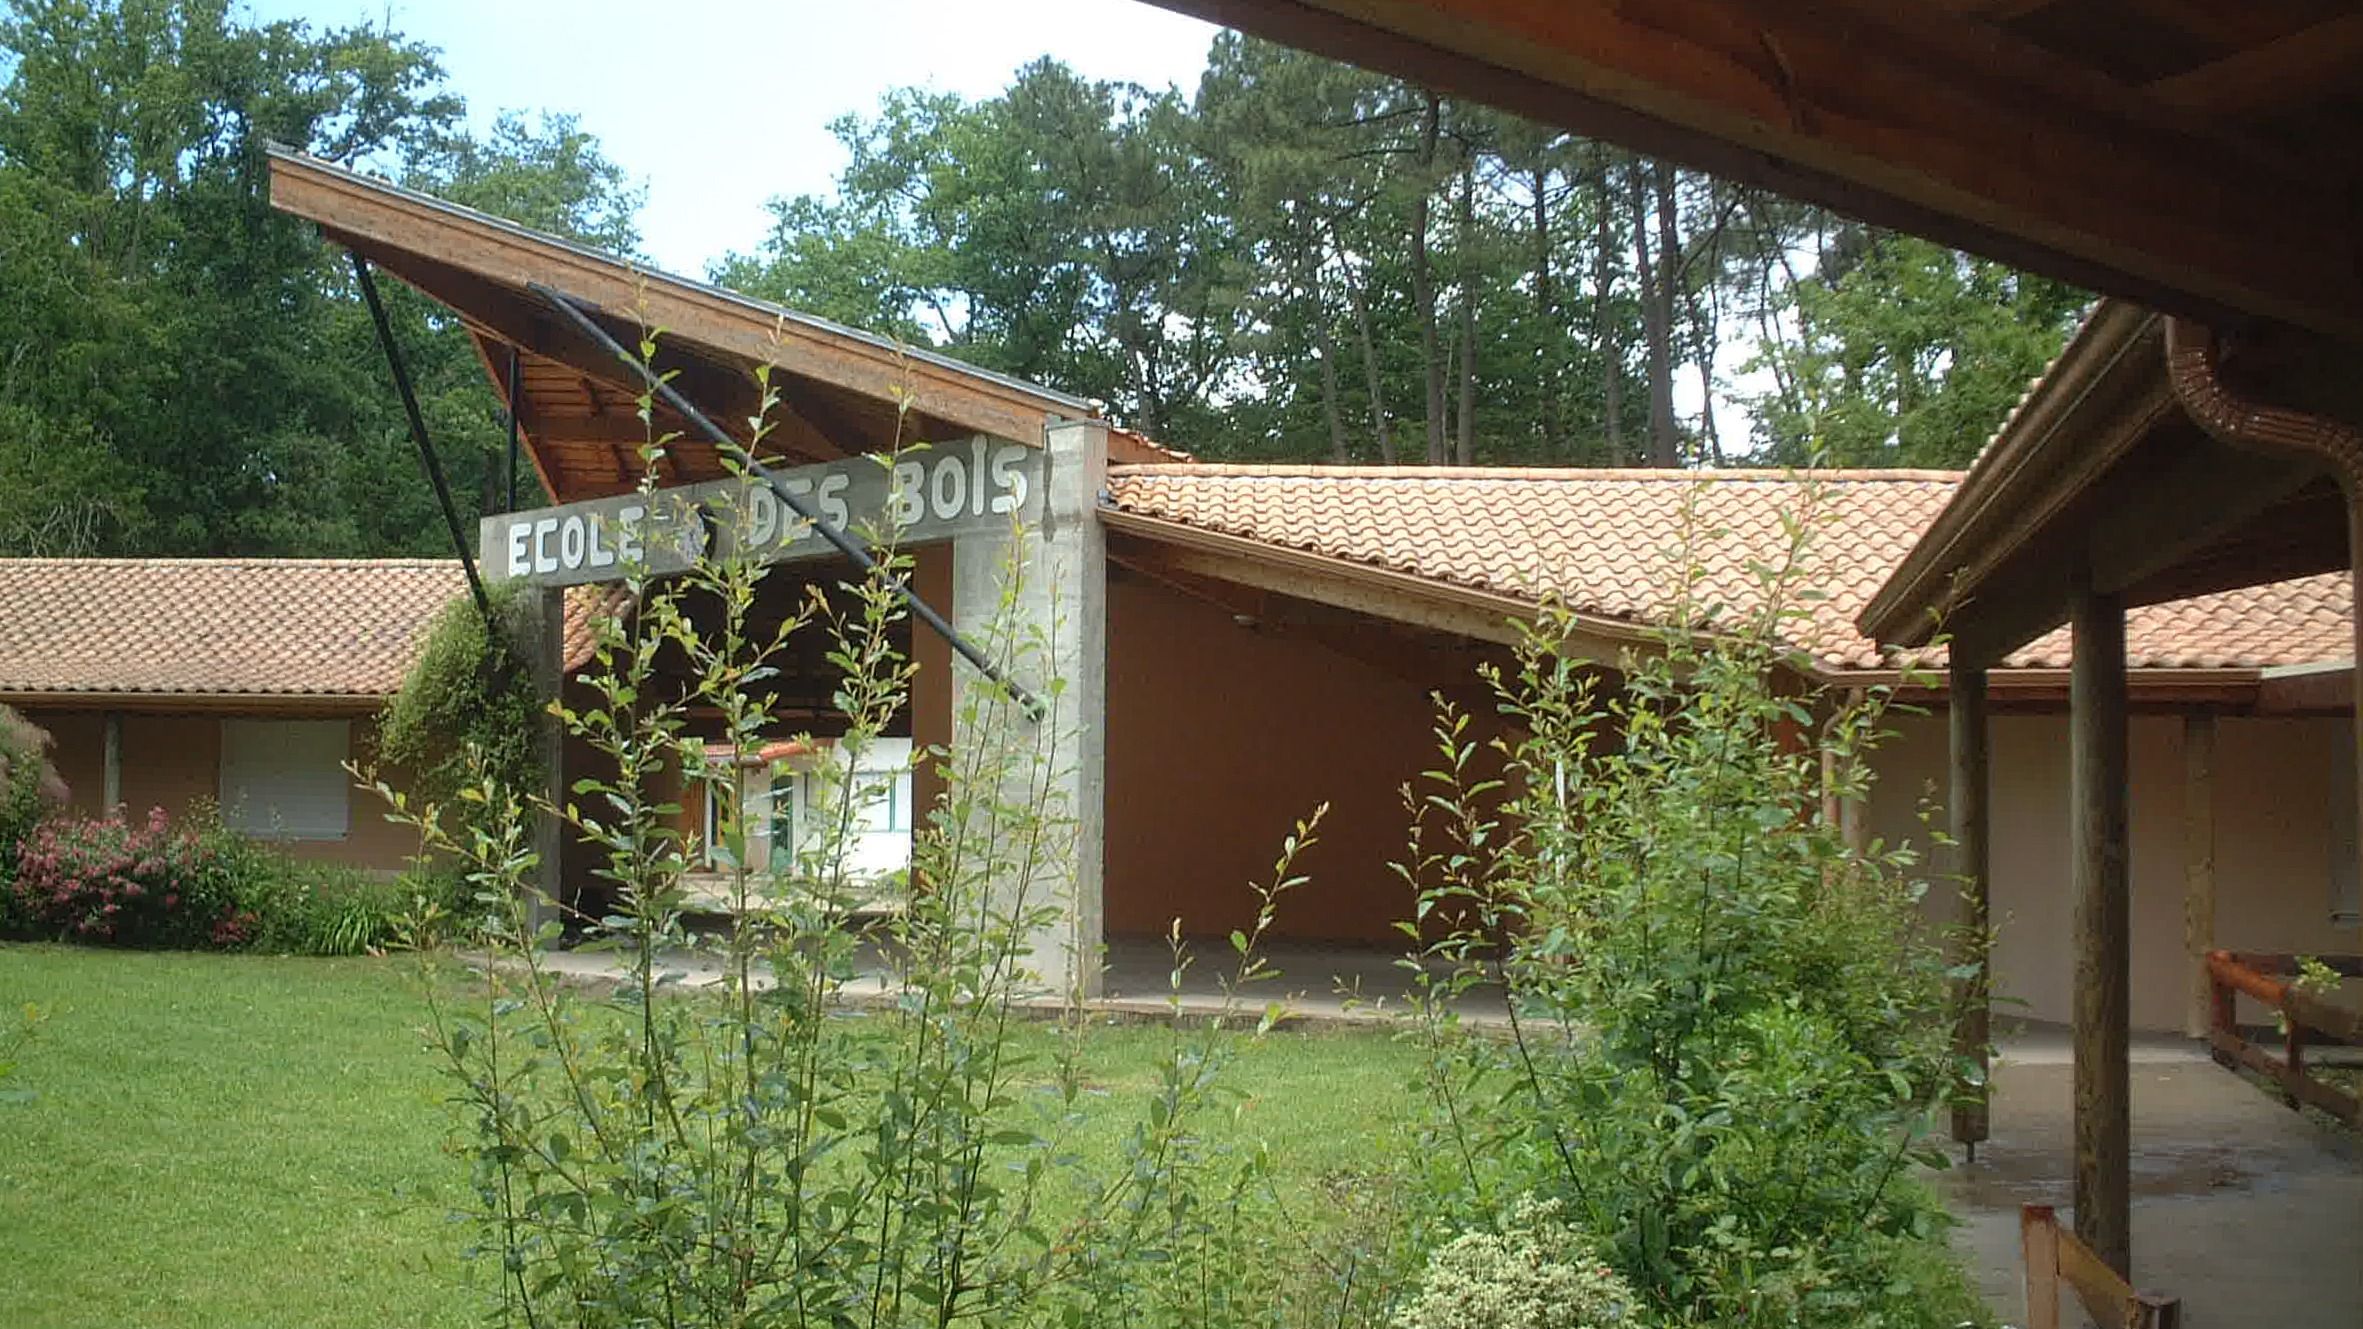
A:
(718, 105)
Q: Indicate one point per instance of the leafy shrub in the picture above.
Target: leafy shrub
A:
(112, 882)
(29, 787)
(1533, 1272)
(468, 704)
(1728, 1025)
(749, 1152)
(302, 908)
(196, 883)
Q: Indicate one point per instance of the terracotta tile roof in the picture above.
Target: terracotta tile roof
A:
(294, 627)
(321, 627)
(1602, 541)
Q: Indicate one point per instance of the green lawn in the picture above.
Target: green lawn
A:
(241, 1140)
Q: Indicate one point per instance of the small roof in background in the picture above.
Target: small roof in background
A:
(1603, 541)
(309, 630)
(214, 627)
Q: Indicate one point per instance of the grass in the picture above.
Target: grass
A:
(245, 1140)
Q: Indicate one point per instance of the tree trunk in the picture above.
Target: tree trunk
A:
(1423, 282)
(1656, 280)
(1704, 321)
(1464, 446)
(1325, 348)
(1604, 339)
(1546, 308)
(1371, 381)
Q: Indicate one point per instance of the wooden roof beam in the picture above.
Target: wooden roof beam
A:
(495, 371)
(1904, 114)
(495, 315)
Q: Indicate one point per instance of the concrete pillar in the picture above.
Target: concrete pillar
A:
(2103, 1080)
(1057, 632)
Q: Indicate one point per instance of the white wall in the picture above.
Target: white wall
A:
(2273, 830)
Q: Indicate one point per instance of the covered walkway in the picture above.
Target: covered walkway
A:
(2242, 1208)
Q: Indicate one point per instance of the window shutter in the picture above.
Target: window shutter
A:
(285, 779)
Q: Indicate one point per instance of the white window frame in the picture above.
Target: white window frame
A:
(307, 795)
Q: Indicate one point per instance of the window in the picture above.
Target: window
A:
(285, 779)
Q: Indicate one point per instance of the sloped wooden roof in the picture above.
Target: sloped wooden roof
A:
(839, 390)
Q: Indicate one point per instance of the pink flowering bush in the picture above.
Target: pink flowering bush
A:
(111, 882)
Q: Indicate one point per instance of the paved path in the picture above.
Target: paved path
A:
(1314, 984)
(2251, 1213)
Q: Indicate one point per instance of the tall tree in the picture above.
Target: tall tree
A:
(183, 370)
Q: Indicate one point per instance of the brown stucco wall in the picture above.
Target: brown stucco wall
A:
(1219, 739)
(173, 761)
(2272, 847)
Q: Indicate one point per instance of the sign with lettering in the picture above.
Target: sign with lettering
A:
(923, 496)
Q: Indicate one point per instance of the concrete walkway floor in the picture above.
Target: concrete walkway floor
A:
(1313, 984)
(2247, 1211)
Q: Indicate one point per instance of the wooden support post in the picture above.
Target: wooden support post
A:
(2038, 1239)
(2198, 831)
(111, 773)
(1965, 699)
(2103, 1115)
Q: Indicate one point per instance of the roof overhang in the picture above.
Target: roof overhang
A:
(2030, 132)
(2101, 467)
(836, 390)
(211, 703)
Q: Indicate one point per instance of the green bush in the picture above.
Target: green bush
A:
(106, 881)
(1533, 1272)
(29, 787)
(301, 908)
(196, 884)
(467, 710)
(1728, 1025)
(755, 1152)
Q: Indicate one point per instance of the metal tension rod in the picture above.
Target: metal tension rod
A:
(835, 535)
(516, 388)
(418, 435)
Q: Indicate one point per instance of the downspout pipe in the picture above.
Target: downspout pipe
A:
(2194, 368)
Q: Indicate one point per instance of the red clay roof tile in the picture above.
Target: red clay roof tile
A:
(1603, 542)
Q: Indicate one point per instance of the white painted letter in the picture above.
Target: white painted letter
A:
(908, 501)
(763, 509)
(543, 559)
(601, 555)
(520, 550)
(1010, 478)
(832, 499)
(627, 532)
(570, 542)
(798, 529)
(949, 499)
(976, 472)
